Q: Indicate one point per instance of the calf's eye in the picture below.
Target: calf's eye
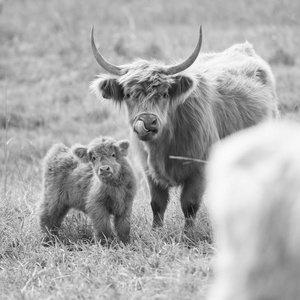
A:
(93, 158)
(113, 155)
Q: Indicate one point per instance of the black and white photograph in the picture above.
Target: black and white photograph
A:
(150, 150)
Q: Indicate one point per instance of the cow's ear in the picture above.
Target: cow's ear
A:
(109, 88)
(123, 147)
(81, 152)
(181, 85)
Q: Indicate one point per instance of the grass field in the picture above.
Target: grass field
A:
(46, 65)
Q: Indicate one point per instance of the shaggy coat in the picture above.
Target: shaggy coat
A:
(96, 179)
(184, 114)
(254, 200)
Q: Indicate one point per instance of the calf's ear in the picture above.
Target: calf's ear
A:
(109, 88)
(81, 152)
(123, 147)
(181, 85)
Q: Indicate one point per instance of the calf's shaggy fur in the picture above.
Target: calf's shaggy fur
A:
(254, 199)
(96, 179)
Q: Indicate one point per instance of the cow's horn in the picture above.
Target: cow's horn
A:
(101, 60)
(189, 61)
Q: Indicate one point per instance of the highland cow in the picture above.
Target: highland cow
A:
(96, 179)
(182, 109)
(254, 200)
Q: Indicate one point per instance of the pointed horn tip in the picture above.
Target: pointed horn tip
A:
(200, 31)
(190, 60)
(100, 59)
(92, 31)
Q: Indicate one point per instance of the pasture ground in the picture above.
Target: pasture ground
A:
(45, 69)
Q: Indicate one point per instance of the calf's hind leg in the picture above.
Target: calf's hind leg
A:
(51, 216)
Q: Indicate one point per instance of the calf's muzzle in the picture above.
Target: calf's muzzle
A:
(105, 171)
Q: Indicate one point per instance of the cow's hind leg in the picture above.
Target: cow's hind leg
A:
(159, 202)
(191, 198)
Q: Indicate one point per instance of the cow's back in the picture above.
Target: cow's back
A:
(241, 87)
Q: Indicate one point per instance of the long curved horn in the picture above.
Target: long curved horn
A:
(189, 61)
(101, 60)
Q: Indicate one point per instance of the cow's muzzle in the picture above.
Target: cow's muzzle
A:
(146, 126)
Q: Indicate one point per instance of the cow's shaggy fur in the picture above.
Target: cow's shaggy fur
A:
(254, 199)
(185, 113)
(96, 179)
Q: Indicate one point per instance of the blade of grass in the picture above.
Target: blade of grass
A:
(188, 159)
(6, 138)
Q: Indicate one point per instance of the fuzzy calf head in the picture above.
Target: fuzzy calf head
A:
(106, 156)
(149, 90)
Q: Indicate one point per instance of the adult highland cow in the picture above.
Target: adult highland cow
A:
(182, 109)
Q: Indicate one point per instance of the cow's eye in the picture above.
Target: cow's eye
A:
(127, 96)
(165, 95)
(93, 158)
(113, 155)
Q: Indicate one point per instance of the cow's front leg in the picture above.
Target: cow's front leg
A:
(159, 202)
(191, 198)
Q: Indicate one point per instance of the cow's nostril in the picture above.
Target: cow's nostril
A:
(154, 122)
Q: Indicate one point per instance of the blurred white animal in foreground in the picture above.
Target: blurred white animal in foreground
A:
(254, 198)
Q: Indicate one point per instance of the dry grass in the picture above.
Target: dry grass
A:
(155, 263)
(46, 66)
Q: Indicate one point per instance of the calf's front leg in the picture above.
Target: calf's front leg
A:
(100, 218)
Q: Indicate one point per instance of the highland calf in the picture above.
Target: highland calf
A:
(254, 199)
(96, 179)
(181, 110)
